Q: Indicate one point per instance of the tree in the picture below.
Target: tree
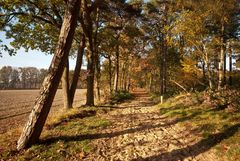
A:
(36, 25)
(15, 78)
(37, 118)
(5, 75)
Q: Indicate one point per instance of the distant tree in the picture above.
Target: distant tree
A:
(15, 78)
(42, 75)
(5, 76)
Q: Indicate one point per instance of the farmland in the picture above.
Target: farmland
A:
(15, 106)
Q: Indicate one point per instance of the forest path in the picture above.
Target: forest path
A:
(139, 133)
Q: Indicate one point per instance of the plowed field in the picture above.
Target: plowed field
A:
(15, 106)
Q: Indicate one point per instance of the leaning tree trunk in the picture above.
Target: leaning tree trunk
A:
(38, 116)
(65, 86)
(77, 70)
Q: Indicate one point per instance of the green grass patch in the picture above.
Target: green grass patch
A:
(218, 128)
(120, 96)
(65, 137)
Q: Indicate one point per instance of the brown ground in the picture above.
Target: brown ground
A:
(139, 133)
(15, 106)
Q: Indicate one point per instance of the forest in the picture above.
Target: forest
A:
(30, 77)
(161, 78)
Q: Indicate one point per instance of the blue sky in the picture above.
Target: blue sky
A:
(32, 58)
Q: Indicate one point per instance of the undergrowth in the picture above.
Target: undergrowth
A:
(120, 96)
(65, 137)
(202, 115)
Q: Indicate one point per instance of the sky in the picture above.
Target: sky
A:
(32, 58)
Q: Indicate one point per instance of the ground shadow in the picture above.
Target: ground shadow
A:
(182, 119)
(140, 128)
(99, 135)
(196, 149)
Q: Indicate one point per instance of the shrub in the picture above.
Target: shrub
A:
(120, 96)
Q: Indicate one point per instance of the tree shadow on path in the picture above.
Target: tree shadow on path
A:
(142, 127)
(193, 150)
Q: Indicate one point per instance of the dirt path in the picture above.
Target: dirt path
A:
(139, 132)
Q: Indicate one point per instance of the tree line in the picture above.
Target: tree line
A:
(29, 77)
(21, 78)
(162, 45)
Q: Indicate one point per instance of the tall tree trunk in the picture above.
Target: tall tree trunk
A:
(221, 68)
(116, 79)
(122, 76)
(126, 77)
(65, 86)
(98, 77)
(203, 70)
(77, 70)
(38, 116)
(110, 73)
(230, 66)
(90, 74)
(87, 25)
(209, 74)
(90, 79)
(150, 82)
(225, 67)
(97, 56)
(165, 67)
(221, 62)
(162, 67)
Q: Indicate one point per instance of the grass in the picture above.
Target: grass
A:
(120, 96)
(61, 138)
(206, 121)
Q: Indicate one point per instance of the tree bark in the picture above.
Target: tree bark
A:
(38, 116)
(77, 70)
(90, 79)
(97, 56)
(162, 67)
(203, 70)
(126, 77)
(150, 82)
(165, 67)
(110, 74)
(221, 63)
(230, 66)
(116, 79)
(209, 74)
(87, 26)
(65, 86)
(98, 77)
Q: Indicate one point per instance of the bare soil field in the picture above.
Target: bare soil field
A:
(15, 106)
